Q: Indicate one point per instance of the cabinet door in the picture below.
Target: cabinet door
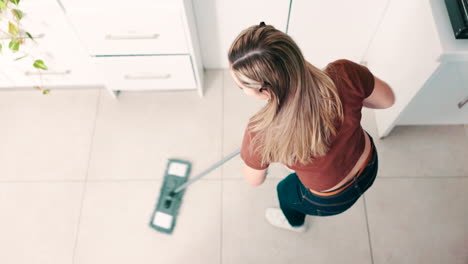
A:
(220, 22)
(462, 101)
(5, 80)
(404, 53)
(437, 102)
(330, 30)
(56, 44)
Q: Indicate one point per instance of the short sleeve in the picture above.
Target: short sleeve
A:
(251, 158)
(362, 77)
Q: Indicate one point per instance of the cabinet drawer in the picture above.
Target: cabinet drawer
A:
(60, 73)
(151, 30)
(171, 72)
(5, 81)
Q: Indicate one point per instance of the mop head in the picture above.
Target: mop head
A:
(167, 208)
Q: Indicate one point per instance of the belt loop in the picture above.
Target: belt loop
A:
(356, 176)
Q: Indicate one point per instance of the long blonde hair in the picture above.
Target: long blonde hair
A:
(300, 120)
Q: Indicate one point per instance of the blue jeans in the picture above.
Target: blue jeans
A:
(296, 201)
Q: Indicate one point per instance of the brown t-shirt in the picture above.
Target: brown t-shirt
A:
(354, 83)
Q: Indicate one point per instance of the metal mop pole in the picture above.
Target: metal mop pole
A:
(216, 165)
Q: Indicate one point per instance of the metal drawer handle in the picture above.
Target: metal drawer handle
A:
(47, 73)
(118, 37)
(147, 76)
(38, 36)
(463, 102)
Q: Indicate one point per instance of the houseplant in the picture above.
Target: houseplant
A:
(11, 32)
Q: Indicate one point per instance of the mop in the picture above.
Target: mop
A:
(172, 190)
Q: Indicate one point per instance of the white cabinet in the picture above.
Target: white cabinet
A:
(139, 73)
(5, 81)
(152, 45)
(330, 30)
(59, 48)
(415, 52)
(438, 102)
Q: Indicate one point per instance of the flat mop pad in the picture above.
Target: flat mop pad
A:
(163, 218)
(172, 190)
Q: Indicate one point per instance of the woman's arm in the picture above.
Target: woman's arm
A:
(254, 177)
(381, 97)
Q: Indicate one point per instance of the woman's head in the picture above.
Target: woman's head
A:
(261, 61)
(303, 103)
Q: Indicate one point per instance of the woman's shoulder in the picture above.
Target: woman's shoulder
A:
(337, 68)
(359, 76)
(341, 62)
(348, 65)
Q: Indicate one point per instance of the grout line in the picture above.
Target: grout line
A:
(128, 180)
(423, 177)
(222, 171)
(224, 179)
(385, 178)
(368, 229)
(93, 180)
(86, 176)
(140, 180)
(40, 181)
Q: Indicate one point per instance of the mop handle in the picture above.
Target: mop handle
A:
(216, 165)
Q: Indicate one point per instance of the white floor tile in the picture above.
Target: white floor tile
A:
(115, 225)
(46, 137)
(418, 220)
(38, 222)
(136, 134)
(249, 238)
(418, 151)
(424, 151)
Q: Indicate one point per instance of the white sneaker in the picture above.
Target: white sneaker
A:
(276, 217)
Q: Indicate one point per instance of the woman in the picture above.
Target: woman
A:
(310, 123)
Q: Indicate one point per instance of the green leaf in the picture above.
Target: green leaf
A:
(46, 91)
(14, 45)
(0, 47)
(12, 29)
(18, 13)
(16, 2)
(21, 57)
(2, 5)
(39, 64)
(29, 35)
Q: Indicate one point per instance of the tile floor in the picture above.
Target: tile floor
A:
(80, 174)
